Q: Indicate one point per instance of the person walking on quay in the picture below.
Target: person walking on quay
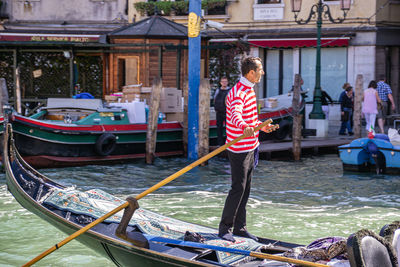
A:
(385, 94)
(346, 108)
(220, 108)
(370, 105)
(342, 94)
(241, 118)
(324, 101)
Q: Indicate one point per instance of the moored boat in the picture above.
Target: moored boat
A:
(73, 132)
(376, 154)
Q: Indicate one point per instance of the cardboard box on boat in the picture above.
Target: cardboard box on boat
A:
(271, 102)
(131, 89)
(177, 116)
(130, 98)
(171, 100)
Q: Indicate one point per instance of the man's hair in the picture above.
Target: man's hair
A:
(372, 84)
(382, 77)
(223, 77)
(248, 64)
(345, 85)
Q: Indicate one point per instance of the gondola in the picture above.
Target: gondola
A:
(159, 240)
(39, 195)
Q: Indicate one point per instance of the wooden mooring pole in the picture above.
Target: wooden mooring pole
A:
(185, 116)
(204, 118)
(18, 101)
(358, 92)
(152, 121)
(3, 94)
(297, 119)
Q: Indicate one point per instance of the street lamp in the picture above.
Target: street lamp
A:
(318, 10)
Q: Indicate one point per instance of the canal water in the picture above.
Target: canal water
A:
(290, 201)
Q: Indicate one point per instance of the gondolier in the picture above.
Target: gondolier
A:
(241, 118)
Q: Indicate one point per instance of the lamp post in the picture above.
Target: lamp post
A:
(318, 10)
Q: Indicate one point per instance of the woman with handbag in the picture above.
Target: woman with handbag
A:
(371, 104)
(346, 108)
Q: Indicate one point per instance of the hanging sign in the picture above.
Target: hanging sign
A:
(193, 25)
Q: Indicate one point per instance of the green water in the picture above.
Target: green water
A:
(296, 202)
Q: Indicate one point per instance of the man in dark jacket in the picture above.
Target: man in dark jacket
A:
(220, 108)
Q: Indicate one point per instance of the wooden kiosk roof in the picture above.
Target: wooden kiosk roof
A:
(151, 27)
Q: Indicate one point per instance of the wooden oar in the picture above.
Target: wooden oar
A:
(259, 255)
(148, 191)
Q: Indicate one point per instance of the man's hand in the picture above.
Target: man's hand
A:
(248, 131)
(267, 128)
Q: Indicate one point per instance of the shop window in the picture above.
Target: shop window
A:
(279, 71)
(333, 70)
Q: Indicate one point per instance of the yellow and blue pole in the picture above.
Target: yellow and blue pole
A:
(194, 20)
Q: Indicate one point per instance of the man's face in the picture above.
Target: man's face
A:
(224, 83)
(255, 76)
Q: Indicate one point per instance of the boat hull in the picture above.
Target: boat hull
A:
(370, 155)
(54, 145)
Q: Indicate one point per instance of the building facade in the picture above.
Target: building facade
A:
(367, 42)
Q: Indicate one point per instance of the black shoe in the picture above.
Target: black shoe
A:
(245, 233)
(351, 133)
(227, 236)
(342, 134)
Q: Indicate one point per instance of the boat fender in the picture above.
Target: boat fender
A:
(105, 144)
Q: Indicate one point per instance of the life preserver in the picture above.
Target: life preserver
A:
(105, 144)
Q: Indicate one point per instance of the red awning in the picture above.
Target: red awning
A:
(312, 42)
(293, 42)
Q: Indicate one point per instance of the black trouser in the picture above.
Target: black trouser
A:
(234, 213)
(221, 118)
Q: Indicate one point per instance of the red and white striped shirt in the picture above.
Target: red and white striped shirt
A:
(241, 112)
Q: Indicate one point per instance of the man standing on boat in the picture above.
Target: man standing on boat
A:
(220, 108)
(241, 118)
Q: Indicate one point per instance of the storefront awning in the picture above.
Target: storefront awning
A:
(292, 43)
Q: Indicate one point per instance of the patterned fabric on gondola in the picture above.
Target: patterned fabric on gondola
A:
(95, 203)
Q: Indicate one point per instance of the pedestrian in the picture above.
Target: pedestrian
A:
(346, 108)
(324, 101)
(345, 85)
(385, 94)
(241, 118)
(220, 109)
(370, 105)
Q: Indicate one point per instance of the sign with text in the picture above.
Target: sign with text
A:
(265, 12)
(48, 38)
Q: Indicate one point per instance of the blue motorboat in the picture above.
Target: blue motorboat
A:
(376, 154)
